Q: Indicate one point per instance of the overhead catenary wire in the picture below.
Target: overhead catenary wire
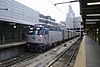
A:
(56, 7)
(66, 2)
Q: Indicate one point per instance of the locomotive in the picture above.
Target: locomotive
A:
(41, 38)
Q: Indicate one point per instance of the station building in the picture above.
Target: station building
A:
(72, 23)
(15, 20)
(46, 19)
(78, 25)
(49, 21)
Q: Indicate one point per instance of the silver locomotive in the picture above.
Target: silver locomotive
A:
(41, 38)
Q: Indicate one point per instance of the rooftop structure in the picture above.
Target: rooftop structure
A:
(46, 19)
(72, 23)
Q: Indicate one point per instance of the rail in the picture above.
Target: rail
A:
(66, 51)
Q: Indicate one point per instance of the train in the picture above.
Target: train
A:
(42, 37)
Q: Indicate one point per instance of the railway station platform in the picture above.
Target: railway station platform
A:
(11, 50)
(2, 46)
(89, 54)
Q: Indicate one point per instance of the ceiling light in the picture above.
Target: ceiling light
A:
(14, 26)
(86, 29)
(92, 20)
(93, 15)
(94, 3)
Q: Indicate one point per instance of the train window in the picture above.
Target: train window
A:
(40, 32)
(38, 28)
(46, 32)
(36, 32)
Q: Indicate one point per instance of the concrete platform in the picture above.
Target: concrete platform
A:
(44, 59)
(2, 46)
(89, 54)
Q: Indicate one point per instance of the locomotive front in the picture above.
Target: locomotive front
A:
(35, 35)
(35, 38)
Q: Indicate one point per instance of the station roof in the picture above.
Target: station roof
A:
(90, 11)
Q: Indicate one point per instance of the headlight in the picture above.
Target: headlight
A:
(40, 35)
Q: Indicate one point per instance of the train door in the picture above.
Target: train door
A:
(68, 35)
(63, 32)
(46, 37)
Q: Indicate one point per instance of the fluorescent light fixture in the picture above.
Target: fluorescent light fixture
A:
(94, 3)
(86, 29)
(97, 29)
(90, 22)
(14, 26)
(92, 19)
(93, 15)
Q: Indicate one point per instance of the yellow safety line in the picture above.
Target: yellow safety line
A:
(81, 57)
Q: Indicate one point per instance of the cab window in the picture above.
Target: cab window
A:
(46, 32)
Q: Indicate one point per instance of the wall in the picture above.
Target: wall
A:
(17, 13)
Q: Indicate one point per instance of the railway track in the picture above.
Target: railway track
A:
(67, 57)
(43, 59)
(24, 57)
(21, 58)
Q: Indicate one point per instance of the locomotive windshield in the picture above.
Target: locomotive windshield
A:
(36, 31)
